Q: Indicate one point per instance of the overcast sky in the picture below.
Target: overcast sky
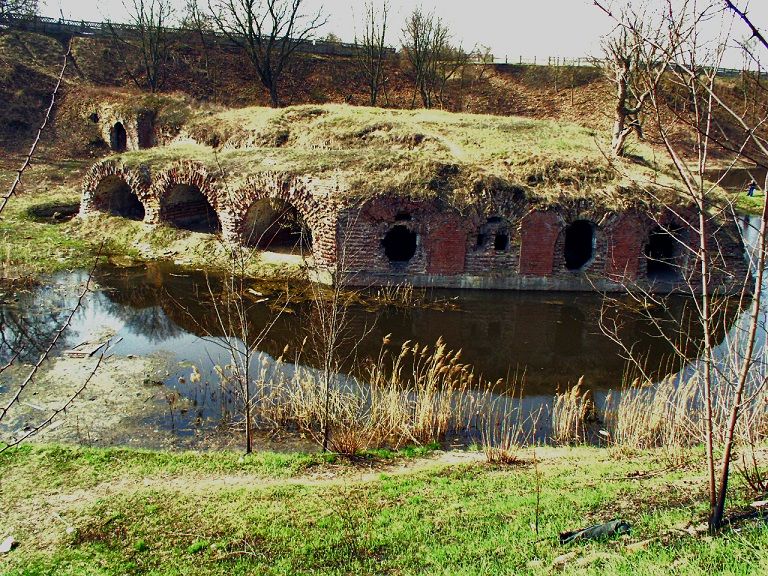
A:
(513, 28)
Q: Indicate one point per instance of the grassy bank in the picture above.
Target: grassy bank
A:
(750, 204)
(119, 511)
(38, 233)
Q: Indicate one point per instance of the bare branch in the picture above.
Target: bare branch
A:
(36, 141)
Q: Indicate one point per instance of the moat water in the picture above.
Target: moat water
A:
(536, 342)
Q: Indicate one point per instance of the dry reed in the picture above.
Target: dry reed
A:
(506, 429)
(572, 412)
(417, 395)
(420, 394)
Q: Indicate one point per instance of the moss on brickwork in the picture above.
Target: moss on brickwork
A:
(422, 154)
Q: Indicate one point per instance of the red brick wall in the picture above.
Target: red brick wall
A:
(538, 233)
(347, 237)
(446, 248)
(626, 242)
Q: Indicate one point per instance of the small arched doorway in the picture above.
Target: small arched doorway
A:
(114, 196)
(399, 244)
(118, 138)
(185, 206)
(146, 127)
(662, 253)
(579, 245)
(277, 226)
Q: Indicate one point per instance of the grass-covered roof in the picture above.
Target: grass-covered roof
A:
(415, 153)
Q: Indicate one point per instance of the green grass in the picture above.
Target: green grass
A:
(750, 204)
(417, 153)
(35, 244)
(136, 512)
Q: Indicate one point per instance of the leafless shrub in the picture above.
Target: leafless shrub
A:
(727, 375)
(753, 474)
(506, 429)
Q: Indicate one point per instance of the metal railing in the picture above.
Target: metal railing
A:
(62, 28)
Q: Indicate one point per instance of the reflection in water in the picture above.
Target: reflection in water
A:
(547, 340)
(553, 338)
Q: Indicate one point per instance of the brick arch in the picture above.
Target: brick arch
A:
(682, 225)
(192, 174)
(316, 209)
(544, 233)
(100, 178)
(493, 242)
(601, 221)
(440, 235)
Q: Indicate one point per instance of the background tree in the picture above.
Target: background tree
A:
(145, 48)
(728, 377)
(269, 31)
(627, 53)
(331, 37)
(432, 58)
(27, 7)
(372, 54)
(199, 21)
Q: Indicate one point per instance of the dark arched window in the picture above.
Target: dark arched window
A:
(399, 244)
(579, 244)
(118, 138)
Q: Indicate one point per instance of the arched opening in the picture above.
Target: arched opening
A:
(501, 241)
(118, 138)
(186, 207)
(146, 130)
(276, 225)
(578, 248)
(114, 196)
(662, 252)
(399, 244)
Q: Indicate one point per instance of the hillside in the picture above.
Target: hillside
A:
(29, 64)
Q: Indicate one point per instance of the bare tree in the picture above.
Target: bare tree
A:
(203, 26)
(730, 376)
(373, 53)
(269, 31)
(426, 41)
(627, 56)
(9, 441)
(145, 48)
(26, 7)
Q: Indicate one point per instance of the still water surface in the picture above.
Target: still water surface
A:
(537, 341)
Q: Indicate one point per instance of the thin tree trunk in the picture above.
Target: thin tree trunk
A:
(754, 320)
(705, 322)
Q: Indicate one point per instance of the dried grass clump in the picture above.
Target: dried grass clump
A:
(572, 412)
(505, 428)
(402, 295)
(417, 396)
(650, 415)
